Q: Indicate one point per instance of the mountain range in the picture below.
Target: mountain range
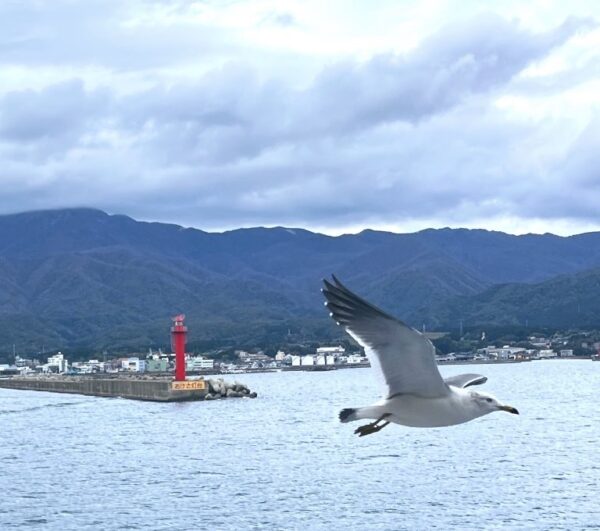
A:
(82, 279)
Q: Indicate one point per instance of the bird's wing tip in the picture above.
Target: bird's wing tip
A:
(328, 285)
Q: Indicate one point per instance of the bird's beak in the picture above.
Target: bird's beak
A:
(509, 409)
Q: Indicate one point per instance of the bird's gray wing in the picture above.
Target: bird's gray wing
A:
(404, 356)
(464, 380)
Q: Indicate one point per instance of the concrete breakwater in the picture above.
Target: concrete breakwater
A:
(219, 388)
(151, 389)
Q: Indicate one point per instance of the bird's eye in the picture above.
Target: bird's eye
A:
(488, 399)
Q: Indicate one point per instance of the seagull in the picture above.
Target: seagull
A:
(415, 393)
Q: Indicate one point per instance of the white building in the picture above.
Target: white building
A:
(24, 362)
(307, 360)
(57, 363)
(546, 354)
(296, 361)
(325, 360)
(88, 367)
(539, 342)
(566, 353)
(504, 353)
(95, 365)
(331, 351)
(280, 356)
(199, 363)
(133, 364)
(252, 357)
(353, 359)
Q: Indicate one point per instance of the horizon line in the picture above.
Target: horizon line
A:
(315, 229)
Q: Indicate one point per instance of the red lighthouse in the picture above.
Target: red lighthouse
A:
(178, 333)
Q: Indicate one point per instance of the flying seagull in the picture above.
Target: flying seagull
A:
(415, 392)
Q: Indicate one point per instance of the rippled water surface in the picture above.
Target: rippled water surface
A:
(282, 461)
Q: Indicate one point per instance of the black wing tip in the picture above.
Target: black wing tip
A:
(333, 278)
(345, 305)
(328, 289)
(346, 413)
(339, 284)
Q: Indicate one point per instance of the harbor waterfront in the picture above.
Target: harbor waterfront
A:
(149, 389)
(283, 461)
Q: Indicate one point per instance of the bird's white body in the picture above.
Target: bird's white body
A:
(418, 412)
(416, 394)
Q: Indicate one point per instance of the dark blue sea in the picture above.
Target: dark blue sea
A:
(282, 461)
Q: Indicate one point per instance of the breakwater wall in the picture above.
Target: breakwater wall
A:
(155, 390)
(219, 388)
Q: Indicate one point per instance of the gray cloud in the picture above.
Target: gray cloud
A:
(459, 61)
(279, 18)
(392, 138)
(56, 111)
(216, 120)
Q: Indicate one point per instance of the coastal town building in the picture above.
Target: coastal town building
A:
(199, 363)
(331, 351)
(539, 342)
(355, 359)
(249, 358)
(8, 370)
(503, 353)
(133, 364)
(57, 363)
(325, 359)
(157, 365)
(308, 360)
(26, 362)
(545, 354)
(88, 367)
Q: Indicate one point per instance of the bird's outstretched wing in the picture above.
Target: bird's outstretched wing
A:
(464, 380)
(405, 357)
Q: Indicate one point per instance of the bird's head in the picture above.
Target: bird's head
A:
(487, 403)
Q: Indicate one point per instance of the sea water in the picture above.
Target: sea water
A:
(283, 461)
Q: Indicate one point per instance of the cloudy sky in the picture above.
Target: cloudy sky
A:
(334, 116)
